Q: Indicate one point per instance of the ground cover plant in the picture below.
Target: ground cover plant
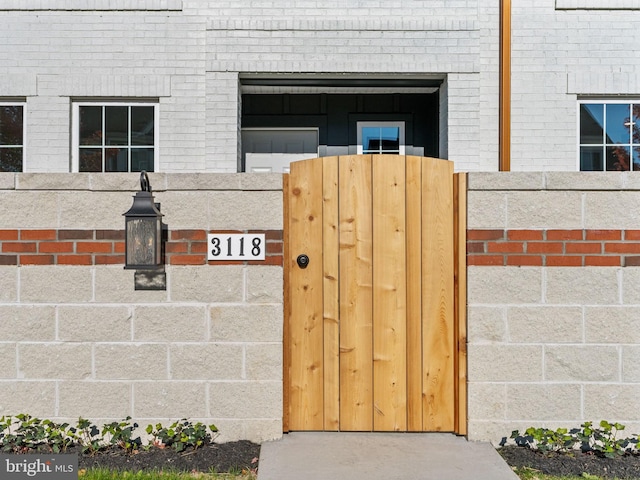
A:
(591, 451)
(183, 446)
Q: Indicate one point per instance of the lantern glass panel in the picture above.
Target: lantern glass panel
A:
(143, 241)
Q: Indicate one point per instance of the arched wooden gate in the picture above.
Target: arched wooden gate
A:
(375, 330)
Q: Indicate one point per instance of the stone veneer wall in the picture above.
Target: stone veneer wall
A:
(76, 339)
(553, 300)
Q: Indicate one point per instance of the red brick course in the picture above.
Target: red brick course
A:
(554, 248)
(107, 247)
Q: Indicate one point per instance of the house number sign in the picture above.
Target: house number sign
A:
(236, 246)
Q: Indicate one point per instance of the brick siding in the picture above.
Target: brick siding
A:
(554, 248)
(106, 247)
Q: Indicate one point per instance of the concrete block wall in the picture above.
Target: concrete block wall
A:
(78, 340)
(553, 303)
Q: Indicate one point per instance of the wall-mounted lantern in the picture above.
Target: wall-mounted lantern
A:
(143, 239)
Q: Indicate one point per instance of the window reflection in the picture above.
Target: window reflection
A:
(618, 159)
(381, 139)
(116, 138)
(609, 136)
(618, 124)
(11, 138)
(591, 123)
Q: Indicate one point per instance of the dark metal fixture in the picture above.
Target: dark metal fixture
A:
(143, 239)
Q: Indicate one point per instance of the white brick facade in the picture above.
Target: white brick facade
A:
(190, 55)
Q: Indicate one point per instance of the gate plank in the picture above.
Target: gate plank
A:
(286, 338)
(331, 315)
(389, 294)
(460, 218)
(356, 371)
(305, 321)
(438, 292)
(414, 293)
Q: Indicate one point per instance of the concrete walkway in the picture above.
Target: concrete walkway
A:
(380, 456)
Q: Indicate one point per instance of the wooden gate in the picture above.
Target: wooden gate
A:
(374, 321)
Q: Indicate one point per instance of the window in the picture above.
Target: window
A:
(381, 137)
(12, 134)
(115, 137)
(609, 136)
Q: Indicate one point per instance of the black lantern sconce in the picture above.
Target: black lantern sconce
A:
(143, 239)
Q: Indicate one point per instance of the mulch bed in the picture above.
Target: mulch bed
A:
(575, 463)
(219, 458)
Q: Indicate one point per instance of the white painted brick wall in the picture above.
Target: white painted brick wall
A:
(558, 56)
(189, 54)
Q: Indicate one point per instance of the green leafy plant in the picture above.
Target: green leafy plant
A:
(181, 434)
(545, 440)
(58, 437)
(7, 438)
(23, 433)
(88, 436)
(120, 434)
(602, 440)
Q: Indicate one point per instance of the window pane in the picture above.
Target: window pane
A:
(636, 158)
(11, 125)
(370, 138)
(116, 160)
(90, 125)
(635, 125)
(142, 126)
(90, 160)
(116, 126)
(380, 139)
(591, 123)
(618, 159)
(390, 139)
(11, 159)
(142, 159)
(618, 123)
(591, 159)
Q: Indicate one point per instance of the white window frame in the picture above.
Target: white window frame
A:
(400, 125)
(603, 101)
(75, 134)
(24, 130)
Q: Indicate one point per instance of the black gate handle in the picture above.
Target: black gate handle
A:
(303, 261)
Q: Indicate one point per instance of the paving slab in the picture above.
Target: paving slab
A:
(380, 456)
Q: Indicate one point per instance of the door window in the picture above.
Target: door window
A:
(381, 138)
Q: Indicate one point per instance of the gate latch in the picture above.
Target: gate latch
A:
(303, 261)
